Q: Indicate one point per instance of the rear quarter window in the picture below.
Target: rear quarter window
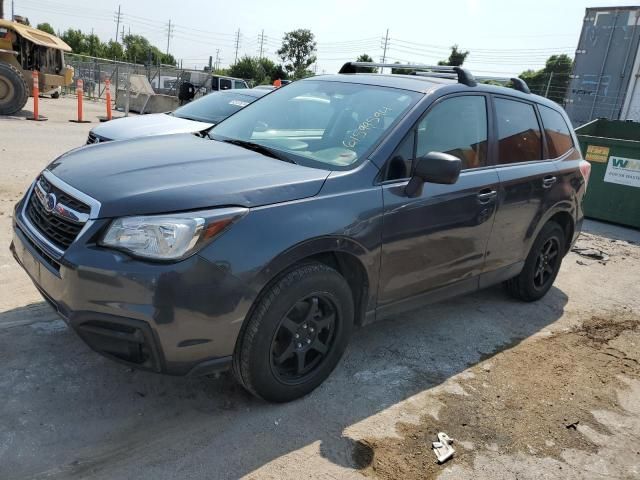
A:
(558, 135)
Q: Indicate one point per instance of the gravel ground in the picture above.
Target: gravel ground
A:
(549, 390)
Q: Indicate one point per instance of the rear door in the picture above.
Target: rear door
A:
(528, 184)
(439, 237)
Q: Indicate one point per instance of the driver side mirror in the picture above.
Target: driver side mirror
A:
(434, 167)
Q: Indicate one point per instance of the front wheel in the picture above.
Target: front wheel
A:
(541, 266)
(296, 334)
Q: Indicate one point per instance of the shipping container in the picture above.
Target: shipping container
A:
(603, 83)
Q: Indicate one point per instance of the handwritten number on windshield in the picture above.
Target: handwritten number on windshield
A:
(363, 129)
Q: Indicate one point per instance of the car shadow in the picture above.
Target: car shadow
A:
(68, 412)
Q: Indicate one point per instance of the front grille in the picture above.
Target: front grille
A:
(64, 197)
(93, 138)
(61, 232)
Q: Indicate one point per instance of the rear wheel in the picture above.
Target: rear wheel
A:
(14, 91)
(55, 94)
(296, 334)
(541, 266)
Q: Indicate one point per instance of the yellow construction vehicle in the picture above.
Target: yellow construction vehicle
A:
(24, 49)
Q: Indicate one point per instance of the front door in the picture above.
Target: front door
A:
(439, 237)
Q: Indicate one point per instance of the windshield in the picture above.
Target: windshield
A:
(333, 123)
(215, 107)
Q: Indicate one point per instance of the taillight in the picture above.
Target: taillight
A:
(585, 170)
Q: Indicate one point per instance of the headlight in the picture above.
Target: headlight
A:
(169, 237)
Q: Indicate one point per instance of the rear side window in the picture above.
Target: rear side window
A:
(457, 126)
(225, 84)
(558, 135)
(519, 137)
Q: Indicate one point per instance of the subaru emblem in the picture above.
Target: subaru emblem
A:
(50, 203)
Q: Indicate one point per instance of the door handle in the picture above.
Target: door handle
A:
(548, 181)
(486, 195)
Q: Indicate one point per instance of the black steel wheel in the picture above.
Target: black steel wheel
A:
(541, 266)
(304, 338)
(296, 333)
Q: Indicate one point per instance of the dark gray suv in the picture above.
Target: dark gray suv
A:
(329, 203)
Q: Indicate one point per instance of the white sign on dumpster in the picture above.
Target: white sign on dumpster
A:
(623, 171)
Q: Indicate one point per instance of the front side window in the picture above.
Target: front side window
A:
(239, 84)
(559, 139)
(320, 123)
(457, 126)
(519, 137)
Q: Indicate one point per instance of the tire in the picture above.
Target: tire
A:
(14, 91)
(273, 365)
(541, 266)
(55, 95)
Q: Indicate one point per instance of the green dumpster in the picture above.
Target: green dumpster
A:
(613, 149)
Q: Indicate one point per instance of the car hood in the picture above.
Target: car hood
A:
(181, 172)
(145, 125)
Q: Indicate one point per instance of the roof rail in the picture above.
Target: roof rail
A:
(518, 83)
(440, 71)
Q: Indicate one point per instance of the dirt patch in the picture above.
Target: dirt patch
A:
(532, 398)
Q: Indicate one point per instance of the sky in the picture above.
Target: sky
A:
(504, 37)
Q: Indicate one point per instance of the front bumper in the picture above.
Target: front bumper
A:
(178, 318)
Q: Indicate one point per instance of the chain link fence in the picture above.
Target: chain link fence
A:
(164, 79)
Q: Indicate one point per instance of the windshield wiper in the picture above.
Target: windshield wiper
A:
(259, 148)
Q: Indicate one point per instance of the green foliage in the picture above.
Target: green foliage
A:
(134, 48)
(456, 58)
(366, 58)
(298, 52)
(137, 49)
(260, 70)
(555, 74)
(45, 27)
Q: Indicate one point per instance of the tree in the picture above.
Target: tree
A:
(366, 58)
(260, 70)
(298, 52)
(247, 67)
(76, 40)
(45, 27)
(456, 58)
(555, 75)
(137, 49)
(112, 50)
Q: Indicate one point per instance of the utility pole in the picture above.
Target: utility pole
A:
(384, 54)
(117, 22)
(237, 45)
(13, 13)
(122, 36)
(546, 93)
(261, 43)
(168, 36)
(217, 64)
(210, 64)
